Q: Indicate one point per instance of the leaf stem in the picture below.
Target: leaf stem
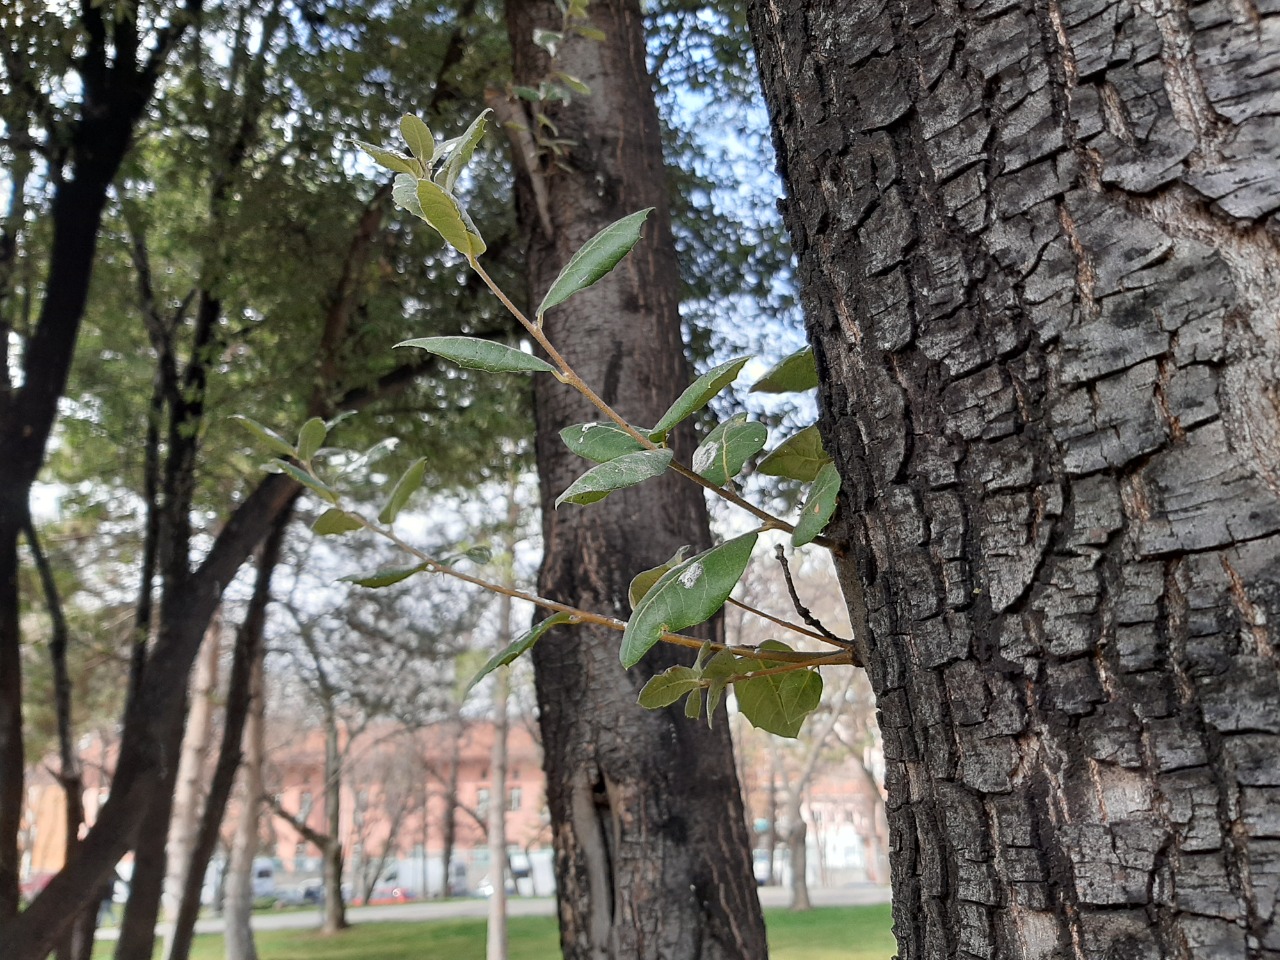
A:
(570, 377)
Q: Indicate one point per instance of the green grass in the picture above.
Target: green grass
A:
(847, 933)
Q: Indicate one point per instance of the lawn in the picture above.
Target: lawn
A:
(830, 933)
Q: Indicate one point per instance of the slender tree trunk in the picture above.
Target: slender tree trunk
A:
(335, 908)
(652, 854)
(449, 830)
(496, 942)
(798, 853)
(238, 910)
(1038, 252)
(188, 799)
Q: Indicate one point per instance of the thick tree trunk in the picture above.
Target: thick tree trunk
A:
(1039, 258)
(652, 854)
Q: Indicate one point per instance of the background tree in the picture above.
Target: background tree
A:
(644, 806)
(1037, 249)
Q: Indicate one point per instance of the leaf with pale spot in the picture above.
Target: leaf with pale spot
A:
(687, 594)
(728, 447)
(600, 442)
(644, 581)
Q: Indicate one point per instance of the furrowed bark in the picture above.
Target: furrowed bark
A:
(652, 852)
(1038, 247)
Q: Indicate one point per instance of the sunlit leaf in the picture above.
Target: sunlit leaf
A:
(599, 442)
(799, 457)
(819, 505)
(667, 687)
(460, 155)
(794, 373)
(727, 448)
(277, 443)
(595, 259)
(335, 521)
(617, 474)
(405, 488)
(476, 354)
(311, 437)
(392, 160)
(697, 395)
(644, 581)
(518, 647)
(385, 578)
(779, 703)
(687, 594)
(418, 136)
(443, 212)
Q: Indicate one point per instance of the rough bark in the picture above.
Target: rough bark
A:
(652, 854)
(1038, 250)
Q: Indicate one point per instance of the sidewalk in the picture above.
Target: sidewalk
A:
(857, 895)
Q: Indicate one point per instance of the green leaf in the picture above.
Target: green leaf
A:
(310, 438)
(479, 554)
(697, 395)
(719, 669)
(600, 442)
(792, 374)
(335, 521)
(405, 488)
(461, 153)
(386, 578)
(693, 705)
(596, 258)
(643, 581)
(277, 443)
(780, 702)
(727, 448)
(624, 471)
(304, 478)
(799, 457)
(687, 594)
(475, 354)
(404, 192)
(591, 33)
(527, 93)
(446, 216)
(667, 687)
(418, 136)
(518, 647)
(392, 160)
(818, 506)
(548, 40)
(573, 83)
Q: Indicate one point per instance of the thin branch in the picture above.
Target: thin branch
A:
(801, 609)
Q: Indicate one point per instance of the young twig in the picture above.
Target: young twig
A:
(801, 609)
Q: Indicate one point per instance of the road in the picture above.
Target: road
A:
(516, 907)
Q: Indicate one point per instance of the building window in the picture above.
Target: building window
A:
(513, 799)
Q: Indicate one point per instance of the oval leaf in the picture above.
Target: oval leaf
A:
(310, 437)
(304, 478)
(818, 506)
(687, 594)
(484, 355)
(404, 192)
(277, 443)
(446, 216)
(667, 687)
(728, 447)
(418, 136)
(792, 374)
(625, 471)
(600, 442)
(697, 395)
(457, 158)
(386, 578)
(392, 160)
(336, 521)
(405, 488)
(596, 258)
(799, 457)
(644, 581)
(517, 647)
(780, 702)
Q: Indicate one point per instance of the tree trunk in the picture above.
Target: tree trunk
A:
(496, 941)
(652, 854)
(244, 845)
(335, 908)
(449, 829)
(1040, 266)
(798, 853)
